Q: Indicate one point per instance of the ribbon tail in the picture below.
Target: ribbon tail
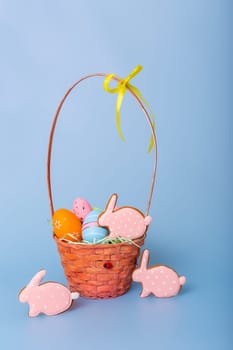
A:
(118, 107)
(138, 94)
(151, 145)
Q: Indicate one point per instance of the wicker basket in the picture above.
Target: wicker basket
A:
(99, 270)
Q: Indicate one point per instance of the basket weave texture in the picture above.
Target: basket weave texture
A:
(86, 272)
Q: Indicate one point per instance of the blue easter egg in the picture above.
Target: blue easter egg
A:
(91, 232)
(92, 216)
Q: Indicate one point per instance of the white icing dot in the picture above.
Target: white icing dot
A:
(38, 296)
(164, 283)
(174, 281)
(57, 224)
(153, 283)
(45, 306)
(58, 287)
(156, 276)
(147, 277)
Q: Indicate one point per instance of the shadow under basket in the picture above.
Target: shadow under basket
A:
(99, 270)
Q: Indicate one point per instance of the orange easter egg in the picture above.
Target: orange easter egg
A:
(66, 224)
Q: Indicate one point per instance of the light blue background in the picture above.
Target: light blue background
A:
(186, 50)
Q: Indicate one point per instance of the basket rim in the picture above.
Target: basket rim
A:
(101, 246)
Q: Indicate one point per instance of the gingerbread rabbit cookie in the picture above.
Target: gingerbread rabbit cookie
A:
(125, 222)
(50, 298)
(160, 280)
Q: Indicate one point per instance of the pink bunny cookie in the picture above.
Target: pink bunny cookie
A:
(125, 222)
(50, 298)
(160, 280)
(81, 208)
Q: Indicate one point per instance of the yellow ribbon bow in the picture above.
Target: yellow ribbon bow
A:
(121, 89)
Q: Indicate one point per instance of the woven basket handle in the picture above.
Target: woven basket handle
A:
(54, 126)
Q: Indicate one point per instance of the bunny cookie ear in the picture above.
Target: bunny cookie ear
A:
(35, 281)
(145, 259)
(111, 203)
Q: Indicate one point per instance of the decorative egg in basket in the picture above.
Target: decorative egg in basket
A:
(67, 225)
(91, 231)
(81, 207)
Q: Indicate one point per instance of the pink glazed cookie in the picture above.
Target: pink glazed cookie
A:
(124, 222)
(50, 298)
(160, 280)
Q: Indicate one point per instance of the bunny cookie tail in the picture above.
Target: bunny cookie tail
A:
(182, 280)
(74, 295)
(148, 220)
